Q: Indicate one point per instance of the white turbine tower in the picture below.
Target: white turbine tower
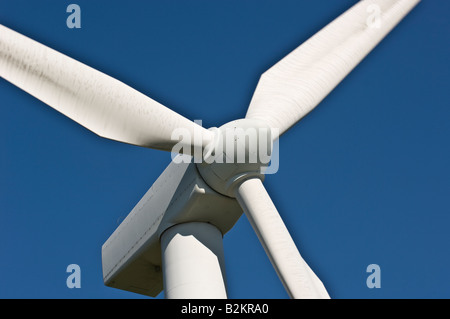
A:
(172, 239)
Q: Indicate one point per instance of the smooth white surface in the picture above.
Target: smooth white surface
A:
(295, 274)
(131, 257)
(93, 99)
(240, 148)
(193, 262)
(300, 81)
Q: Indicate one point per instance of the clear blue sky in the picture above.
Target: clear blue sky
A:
(364, 178)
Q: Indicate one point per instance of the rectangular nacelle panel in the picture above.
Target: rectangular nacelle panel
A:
(131, 257)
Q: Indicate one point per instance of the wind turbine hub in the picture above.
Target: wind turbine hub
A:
(241, 149)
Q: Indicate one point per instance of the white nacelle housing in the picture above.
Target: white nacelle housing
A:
(131, 257)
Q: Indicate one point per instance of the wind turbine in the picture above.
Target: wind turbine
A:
(172, 239)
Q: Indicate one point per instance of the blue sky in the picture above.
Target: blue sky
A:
(363, 179)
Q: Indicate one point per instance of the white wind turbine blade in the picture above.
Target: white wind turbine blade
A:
(93, 99)
(297, 277)
(299, 82)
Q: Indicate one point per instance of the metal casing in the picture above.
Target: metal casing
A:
(131, 257)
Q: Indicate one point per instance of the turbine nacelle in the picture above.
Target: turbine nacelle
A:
(241, 149)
